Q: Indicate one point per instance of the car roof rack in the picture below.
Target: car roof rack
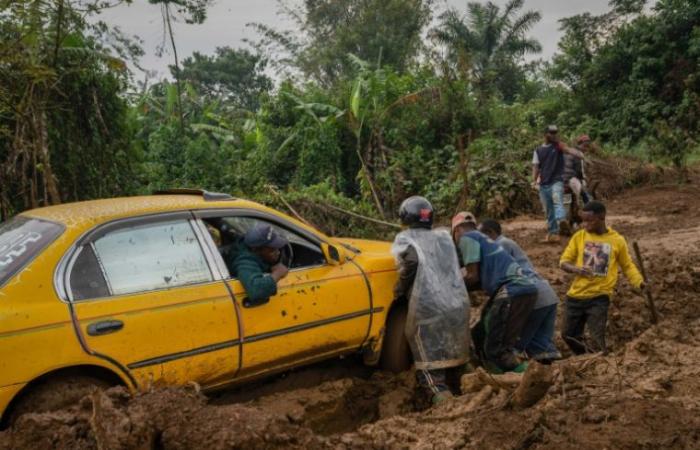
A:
(206, 195)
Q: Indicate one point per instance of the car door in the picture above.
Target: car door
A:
(144, 294)
(319, 310)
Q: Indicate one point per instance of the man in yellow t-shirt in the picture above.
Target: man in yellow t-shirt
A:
(593, 255)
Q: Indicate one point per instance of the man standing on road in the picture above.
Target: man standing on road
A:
(548, 177)
(437, 323)
(511, 294)
(537, 337)
(257, 263)
(593, 255)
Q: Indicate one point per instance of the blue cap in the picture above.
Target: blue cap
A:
(263, 235)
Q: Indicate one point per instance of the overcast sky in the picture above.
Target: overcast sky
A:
(227, 19)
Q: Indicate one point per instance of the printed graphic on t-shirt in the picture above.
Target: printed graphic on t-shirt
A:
(596, 256)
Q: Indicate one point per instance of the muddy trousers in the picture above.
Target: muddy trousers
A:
(579, 314)
(537, 336)
(502, 320)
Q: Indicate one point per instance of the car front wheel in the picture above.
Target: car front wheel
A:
(396, 354)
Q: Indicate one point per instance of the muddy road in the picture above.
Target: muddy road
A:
(644, 394)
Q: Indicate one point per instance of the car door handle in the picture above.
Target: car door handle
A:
(104, 327)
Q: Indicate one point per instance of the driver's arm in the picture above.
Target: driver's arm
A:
(259, 285)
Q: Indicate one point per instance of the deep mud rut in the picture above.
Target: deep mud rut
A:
(644, 394)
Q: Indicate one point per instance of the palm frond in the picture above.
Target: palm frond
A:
(524, 23)
(511, 8)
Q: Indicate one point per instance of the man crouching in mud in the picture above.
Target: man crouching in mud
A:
(437, 324)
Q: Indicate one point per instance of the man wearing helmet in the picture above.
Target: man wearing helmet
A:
(437, 323)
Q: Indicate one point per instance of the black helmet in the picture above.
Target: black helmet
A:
(416, 212)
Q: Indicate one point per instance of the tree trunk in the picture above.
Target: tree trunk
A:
(41, 142)
(166, 12)
(463, 167)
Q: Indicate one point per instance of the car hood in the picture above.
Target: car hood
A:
(368, 247)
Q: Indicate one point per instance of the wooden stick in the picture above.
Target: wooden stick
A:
(647, 291)
(298, 216)
(359, 216)
(502, 381)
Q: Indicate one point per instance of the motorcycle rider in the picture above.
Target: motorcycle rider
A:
(437, 323)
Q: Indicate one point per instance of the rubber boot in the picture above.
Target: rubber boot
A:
(442, 397)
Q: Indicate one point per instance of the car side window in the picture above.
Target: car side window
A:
(86, 277)
(138, 259)
(300, 253)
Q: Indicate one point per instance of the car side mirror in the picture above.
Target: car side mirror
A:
(334, 255)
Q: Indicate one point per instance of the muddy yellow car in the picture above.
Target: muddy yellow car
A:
(135, 291)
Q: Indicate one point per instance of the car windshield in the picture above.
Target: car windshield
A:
(21, 239)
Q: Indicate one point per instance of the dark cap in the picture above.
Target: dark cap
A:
(263, 235)
(551, 129)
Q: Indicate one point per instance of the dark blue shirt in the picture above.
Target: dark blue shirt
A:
(496, 267)
(551, 162)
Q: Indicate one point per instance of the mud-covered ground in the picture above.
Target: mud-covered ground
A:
(644, 394)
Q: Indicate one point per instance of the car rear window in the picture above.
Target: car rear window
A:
(21, 239)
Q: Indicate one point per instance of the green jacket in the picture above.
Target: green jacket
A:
(254, 274)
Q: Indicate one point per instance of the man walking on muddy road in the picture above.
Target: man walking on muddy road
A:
(437, 323)
(593, 255)
(548, 178)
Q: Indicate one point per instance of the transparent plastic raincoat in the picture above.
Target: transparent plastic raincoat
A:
(437, 326)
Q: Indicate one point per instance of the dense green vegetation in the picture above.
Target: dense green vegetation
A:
(364, 110)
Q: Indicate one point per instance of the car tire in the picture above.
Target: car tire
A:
(396, 354)
(55, 393)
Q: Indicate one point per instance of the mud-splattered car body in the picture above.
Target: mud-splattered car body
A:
(135, 290)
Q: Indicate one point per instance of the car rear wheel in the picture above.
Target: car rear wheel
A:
(55, 393)
(396, 354)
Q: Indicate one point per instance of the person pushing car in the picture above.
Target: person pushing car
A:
(437, 323)
(512, 295)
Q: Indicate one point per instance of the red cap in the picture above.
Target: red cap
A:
(583, 138)
(462, 217)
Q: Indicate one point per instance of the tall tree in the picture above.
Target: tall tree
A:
(636, 75)
(235, 76)
(58, 99)
(585, 35)
(192, 11)
(490, 44)
(382, 32)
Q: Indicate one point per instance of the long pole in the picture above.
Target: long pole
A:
(647, 291)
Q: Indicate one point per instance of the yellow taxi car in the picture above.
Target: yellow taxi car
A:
(135, 291)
